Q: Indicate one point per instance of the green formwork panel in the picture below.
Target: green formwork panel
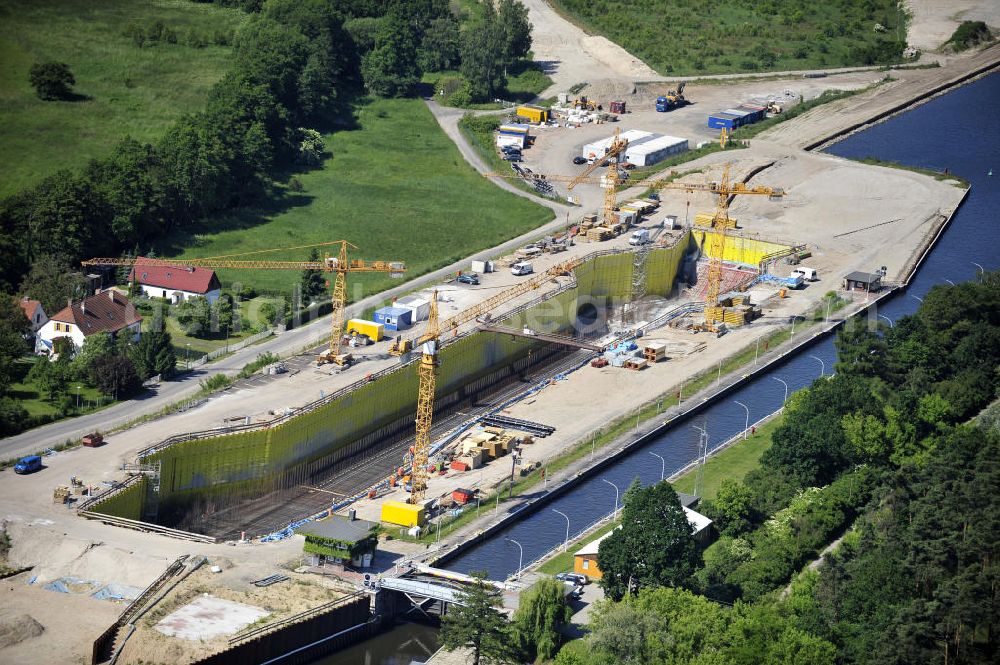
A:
(236, 462)
(126, 504)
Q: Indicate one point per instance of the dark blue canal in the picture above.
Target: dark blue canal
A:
(945, 133)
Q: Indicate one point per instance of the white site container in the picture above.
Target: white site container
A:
(420, 307)
(655, 150)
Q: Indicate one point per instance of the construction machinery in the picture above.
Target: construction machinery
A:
(339, 265)
(586, 104)
(671, 100)
(400, 346)
(428, 343)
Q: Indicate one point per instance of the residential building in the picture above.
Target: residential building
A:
(175, 283)
(34, 311)
(107, 311)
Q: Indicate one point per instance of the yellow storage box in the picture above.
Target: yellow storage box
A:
(375, 331)
(533, 113)
(403, 514)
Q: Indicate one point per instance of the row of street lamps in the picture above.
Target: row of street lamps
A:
(704, 432)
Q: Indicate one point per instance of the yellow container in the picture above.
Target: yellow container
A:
(376, 331)
(533, 113)
(403, 514)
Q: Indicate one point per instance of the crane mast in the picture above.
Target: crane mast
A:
(339, 265)
(426, 373)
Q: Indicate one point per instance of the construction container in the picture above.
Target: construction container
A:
(617, 106)
(420, 308)
(393, 318)
(514, 128)
(458, 465)
(535, 114)
(654, 351)
(757, 113)
(598, 149)
(515, 140)
(403, 514)
(723, 121)
(483, 267)
(463, 496)
(655, 150)
(93, 440)
(375, 331)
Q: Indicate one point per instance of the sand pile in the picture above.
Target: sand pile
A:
(16, 628)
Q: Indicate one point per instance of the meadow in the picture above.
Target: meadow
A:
(121, 88)
(392, 183)
(687, 38)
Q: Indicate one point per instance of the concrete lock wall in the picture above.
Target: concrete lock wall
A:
(258, 461)
(748, 251)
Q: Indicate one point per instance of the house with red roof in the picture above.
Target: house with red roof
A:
(34, 312)
(107, 311)
(176, 283)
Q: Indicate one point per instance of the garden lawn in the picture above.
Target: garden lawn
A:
(394, 185)
(688, 37)
(35, 403)
(124, 89)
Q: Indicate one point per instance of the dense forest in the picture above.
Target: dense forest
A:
(897, 453)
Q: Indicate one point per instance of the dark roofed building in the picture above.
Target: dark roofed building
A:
(863, 281)
(338, 540)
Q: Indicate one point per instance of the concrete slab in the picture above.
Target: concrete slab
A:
(208, 617)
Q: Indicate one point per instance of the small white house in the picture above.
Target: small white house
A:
(34, 312)
(107, 311)
(176, 283)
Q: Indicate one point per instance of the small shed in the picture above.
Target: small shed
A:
(420, 308)
(863, 281)
(394, 318)
(338, 540)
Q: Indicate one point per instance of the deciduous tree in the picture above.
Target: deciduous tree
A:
(477, 624)
(540, 617)
(51, 80)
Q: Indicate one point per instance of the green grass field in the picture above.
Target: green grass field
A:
(684, 37)
(395, 186)
(27, 394)
(124, 89)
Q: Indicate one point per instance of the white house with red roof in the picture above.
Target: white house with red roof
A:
(175, 282)
(107, 311)
(34, 312)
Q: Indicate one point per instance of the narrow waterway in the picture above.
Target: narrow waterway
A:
(400, 645)
(947, 132)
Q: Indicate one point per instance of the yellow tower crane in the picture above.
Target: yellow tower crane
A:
(609, 181)
(428, 343)
(339, 265)
(723, 189)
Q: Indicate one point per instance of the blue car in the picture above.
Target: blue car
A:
(468, 278)
(28, 464)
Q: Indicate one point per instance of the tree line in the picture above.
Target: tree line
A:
(888, 454)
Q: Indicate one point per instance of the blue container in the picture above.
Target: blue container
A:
(723, 120)
(394, 318)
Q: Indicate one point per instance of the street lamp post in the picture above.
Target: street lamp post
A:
(746, 424)
(756, 352)
(883, 316)
(782, 381)
(566, 541)
(982, 271)
(520, 558)
(615, 511)
(822, 365)
(949, 281)
(917, 298)
(663, 464)
(187, 355)
(78, 397)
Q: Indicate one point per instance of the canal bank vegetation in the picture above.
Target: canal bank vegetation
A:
(885, 452)
(940, 176)
(622, 426)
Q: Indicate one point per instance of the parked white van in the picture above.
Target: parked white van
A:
(808, 274)
(640, 237)
(521, 268)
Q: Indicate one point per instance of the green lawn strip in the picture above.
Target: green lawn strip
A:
(125, 90)
(678, 37)
(827, 96)
(563, 562)
(395, 186)
(733, 463)
(940, 176)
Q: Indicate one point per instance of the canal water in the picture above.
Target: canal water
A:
(947, 132)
